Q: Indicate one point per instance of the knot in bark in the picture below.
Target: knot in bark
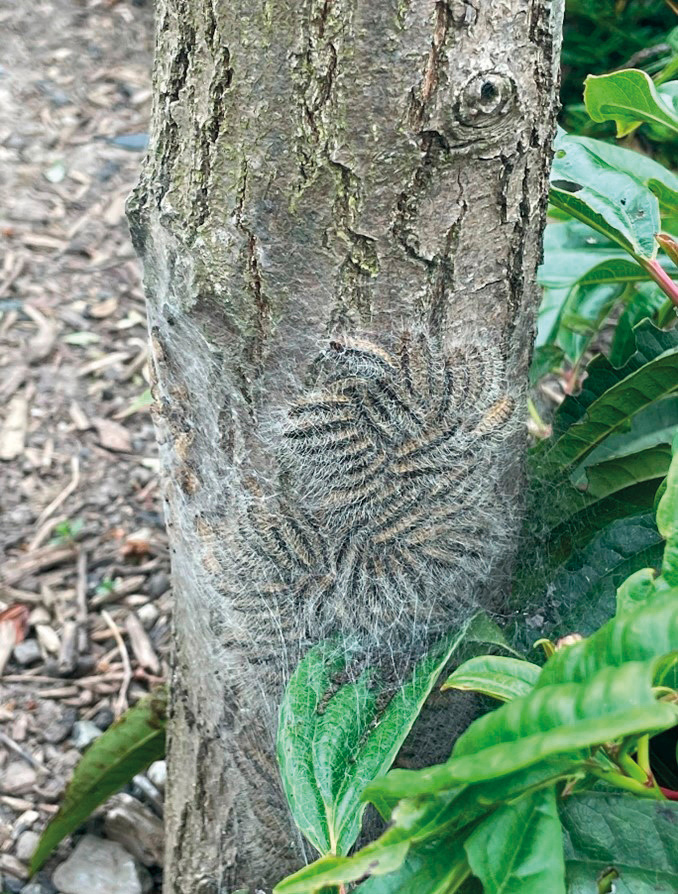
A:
(485, 109)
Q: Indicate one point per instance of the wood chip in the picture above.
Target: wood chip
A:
(48, 639)
(68, 653)
(14, 428)
(112, 435)
(41, 345)
(46, 557)
(141, 644)
(12, 381)
(78, 416)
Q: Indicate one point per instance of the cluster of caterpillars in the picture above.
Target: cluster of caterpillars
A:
(389, 512)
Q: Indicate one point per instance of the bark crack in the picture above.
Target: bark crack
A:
(435, 66)
(261, 321)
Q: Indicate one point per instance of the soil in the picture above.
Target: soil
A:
(84, 579)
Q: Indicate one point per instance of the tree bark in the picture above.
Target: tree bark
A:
(340, 220)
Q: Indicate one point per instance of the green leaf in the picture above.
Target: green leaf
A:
(667, 521)
(649, 632)
(324, 774)
(562, 721)
(518, 849)
(628, 98)
(494, 675)
(635, 590)
(647, 300)
(434, 867)
(613, 202)
(593, 483)
(125, 749)
(658, 178)
(635, 836)
(559, 719)
(545, 359)
(584, 588)
(610, 397)
(331, 870)
(656, 424)
(650, 343)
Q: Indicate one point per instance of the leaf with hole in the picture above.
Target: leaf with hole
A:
(613, 202)
(604, 830)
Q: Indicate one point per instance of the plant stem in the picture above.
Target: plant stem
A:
(661, 277)
(626, 783)
(643, 756)
(631, 768)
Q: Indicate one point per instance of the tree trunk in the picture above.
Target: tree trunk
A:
(340, 221)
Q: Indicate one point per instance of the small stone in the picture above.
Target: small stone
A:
(158, 584)
(148, 614)
(39, 885)
(97, 866)
(55, 722)
(5, 835)
(133, 825)
(33, 888)
(157, 773)
(17, 778)
(103, 718)
(13, 885)
(25, 821)
(13, 869)
(26, 845)
(84, 733)
(39, 615)
(27, 653)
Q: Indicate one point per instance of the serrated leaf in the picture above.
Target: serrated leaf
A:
(125, 749)
(494, 675)
(635, 836)
(629, 98)
(324, 774)
(518, 849)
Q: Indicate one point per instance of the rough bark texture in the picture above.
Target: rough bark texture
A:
(356, 182)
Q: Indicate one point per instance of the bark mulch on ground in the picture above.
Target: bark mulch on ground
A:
(84, 577)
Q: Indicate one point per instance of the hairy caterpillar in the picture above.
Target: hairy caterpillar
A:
(389, 514)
